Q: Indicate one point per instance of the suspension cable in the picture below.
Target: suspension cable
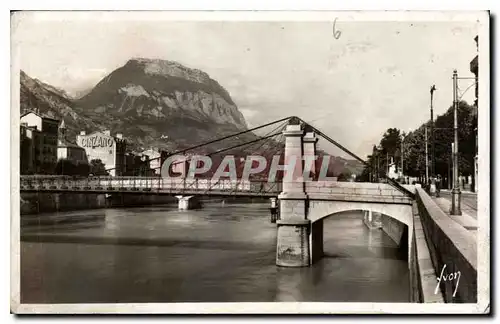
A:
(248, 144)
(226, 137)
(215, 140)
(390, 181)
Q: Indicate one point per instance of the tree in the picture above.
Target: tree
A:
(414, 146)
(97, 168)
(467, 123)
(414, 143)
(414, 153)
(391, 142)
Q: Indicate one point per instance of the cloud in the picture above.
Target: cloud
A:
(248, 113)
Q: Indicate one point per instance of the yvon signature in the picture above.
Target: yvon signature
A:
(448, 277)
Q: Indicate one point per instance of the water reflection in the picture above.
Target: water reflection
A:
(215, 254)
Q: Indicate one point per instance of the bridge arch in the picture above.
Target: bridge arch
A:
(319, 210)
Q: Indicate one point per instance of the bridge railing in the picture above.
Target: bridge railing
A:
(147, 184)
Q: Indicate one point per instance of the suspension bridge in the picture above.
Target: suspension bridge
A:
(268, 145)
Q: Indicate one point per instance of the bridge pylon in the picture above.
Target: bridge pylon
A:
(294, 229)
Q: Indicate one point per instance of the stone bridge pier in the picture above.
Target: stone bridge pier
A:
(188, 202)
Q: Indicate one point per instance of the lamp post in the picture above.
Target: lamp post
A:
(432, 188)
(450, 168)
(402, 147)
(426, 159)
(433, 88)
(455, 193)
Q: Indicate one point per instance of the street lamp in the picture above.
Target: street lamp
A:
(402, 153)
(432, 173)
(455, 201)
(433, 88)
(455, 193)
(402, 148)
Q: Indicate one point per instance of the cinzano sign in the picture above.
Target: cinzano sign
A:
(96, 140)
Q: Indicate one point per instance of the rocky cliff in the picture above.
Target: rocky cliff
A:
(162, 104)
(54, 103)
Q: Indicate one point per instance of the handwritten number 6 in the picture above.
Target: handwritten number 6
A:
(336, 33)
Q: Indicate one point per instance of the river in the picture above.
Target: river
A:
(220, 253)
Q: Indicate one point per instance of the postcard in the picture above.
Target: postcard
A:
(258, 162)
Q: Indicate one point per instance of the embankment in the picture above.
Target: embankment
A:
(34, 203)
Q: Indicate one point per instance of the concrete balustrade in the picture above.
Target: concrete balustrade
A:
(423, 279)
(452, 251)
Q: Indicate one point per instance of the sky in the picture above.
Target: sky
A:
(350, 79)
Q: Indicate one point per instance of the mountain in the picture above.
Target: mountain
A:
(154, 103)
(148, 100)
(54, 103)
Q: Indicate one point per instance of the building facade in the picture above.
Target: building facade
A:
(102, 146)
(474, 68)
(43, 133)
(70, 152)
(156, 157)
(31, 142)
(137, 165)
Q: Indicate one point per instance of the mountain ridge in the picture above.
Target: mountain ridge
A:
(153, 103)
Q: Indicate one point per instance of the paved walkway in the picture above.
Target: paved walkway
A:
(468, 202)
(468, 205)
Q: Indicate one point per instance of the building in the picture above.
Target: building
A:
(137, 165)
(474, 68)
(31, 142)
(102, 146)
(43, 132)
(156, 157)
(69, 151)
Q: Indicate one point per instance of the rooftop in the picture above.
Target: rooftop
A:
(39, 115)
(65, 143)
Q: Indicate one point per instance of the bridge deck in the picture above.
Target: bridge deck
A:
(316, 190)
(151, 185)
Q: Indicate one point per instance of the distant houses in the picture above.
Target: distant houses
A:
(38, 140)
(45, 149)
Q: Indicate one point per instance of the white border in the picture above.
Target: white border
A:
(288, 308)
